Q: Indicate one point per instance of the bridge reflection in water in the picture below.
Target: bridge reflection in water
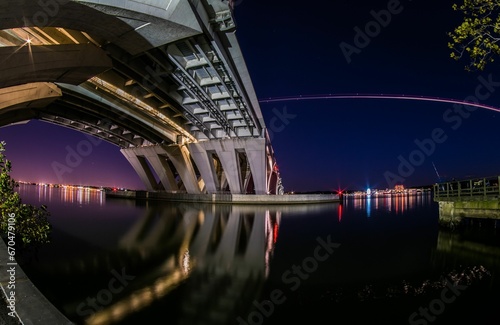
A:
(212, 258)
(194, 264)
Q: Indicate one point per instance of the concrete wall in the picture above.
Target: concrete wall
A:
(454, 211)
(228, 198)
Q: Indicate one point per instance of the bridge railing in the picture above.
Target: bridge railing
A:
(476, 188)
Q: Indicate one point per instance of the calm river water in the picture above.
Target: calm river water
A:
(362, 261)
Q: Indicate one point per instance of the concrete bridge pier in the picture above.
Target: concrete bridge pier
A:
(244, 166)
(157, 156)
(140, 166)
(243, 163)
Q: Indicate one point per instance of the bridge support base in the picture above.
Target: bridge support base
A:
(158, 158)
(239, 166)
(242, 164)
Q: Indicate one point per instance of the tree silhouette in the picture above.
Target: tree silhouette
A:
(23, 223)
(479, 33)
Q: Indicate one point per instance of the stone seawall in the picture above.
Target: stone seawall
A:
(227, 198)
(454, 211)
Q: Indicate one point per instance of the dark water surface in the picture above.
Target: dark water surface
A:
(362, 261)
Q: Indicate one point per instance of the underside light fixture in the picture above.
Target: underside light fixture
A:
(168, 6)
(68, 35)
(112, 89)
(142, 26)
(186, 263)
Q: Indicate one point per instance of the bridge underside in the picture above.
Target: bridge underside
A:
(164, 81)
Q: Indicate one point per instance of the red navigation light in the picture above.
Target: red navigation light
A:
(275, 233)
(340, 191)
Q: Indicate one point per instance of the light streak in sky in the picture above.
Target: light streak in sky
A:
(380, 96)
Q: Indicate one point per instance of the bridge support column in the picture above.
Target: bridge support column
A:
(230, 164)
(226, 150)
(205, 164)
(229, 151)
(179, 155)
(155, 155)
(141, 168)
(162, 169)
(157, 158)
(256, 153)
(234, 156)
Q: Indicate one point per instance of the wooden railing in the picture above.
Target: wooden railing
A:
(476, 188)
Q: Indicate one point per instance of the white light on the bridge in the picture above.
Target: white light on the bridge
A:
(168, 6)
(142, 26)
(110, 88)
(186, 263)
(68, 35)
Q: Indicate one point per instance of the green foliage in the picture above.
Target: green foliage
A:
(31, 223)
(479, 33)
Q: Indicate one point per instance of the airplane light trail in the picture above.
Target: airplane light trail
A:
(380, 96)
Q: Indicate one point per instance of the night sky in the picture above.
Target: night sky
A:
(294, 48)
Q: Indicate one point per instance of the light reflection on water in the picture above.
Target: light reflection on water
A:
(199, 263)
(66, 194)
(397, 203)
